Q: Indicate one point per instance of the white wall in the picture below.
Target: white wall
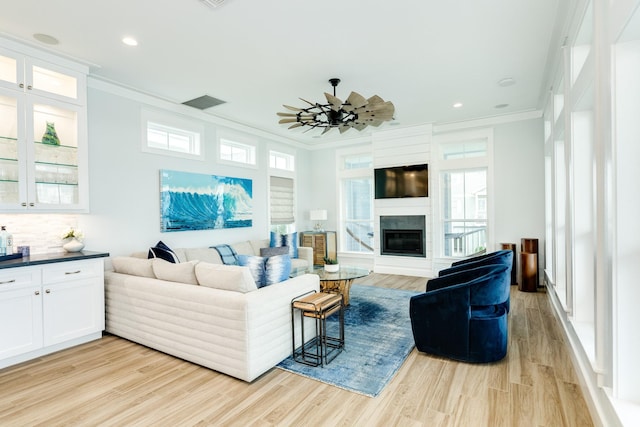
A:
(124, 182)
(519, 183)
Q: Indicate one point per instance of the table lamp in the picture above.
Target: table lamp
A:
(317, 216)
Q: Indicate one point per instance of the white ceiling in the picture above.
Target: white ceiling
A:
(257, 55)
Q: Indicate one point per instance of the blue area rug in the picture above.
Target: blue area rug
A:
(378, 339)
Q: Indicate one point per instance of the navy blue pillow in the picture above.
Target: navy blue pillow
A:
(160, 250)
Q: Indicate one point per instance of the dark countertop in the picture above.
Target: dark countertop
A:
(51, 258)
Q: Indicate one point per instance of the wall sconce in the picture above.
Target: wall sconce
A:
(317, 216)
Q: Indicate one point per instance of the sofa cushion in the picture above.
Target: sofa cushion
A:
(160, 250)
(267, 252)
(267, 270)
(134, 266)
(290, 240)
(201, 254)
(243, 248)
(226, 277)
(183, 272)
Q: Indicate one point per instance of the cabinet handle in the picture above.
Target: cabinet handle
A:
(8, 281)
(23, 204)
(73, 272)
(21, 85)
(48, 291)
(29, 87)
(37, 292)
(32, 204)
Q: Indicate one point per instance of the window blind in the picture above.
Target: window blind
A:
(281, 200)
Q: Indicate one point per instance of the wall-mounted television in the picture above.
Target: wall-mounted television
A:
(402, 181)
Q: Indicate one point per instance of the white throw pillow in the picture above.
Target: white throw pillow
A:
(134, 266)
(182, 272)
(226, 277)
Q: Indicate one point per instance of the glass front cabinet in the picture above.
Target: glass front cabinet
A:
(43, 134)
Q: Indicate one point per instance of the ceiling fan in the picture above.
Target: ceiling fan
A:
(356, 112)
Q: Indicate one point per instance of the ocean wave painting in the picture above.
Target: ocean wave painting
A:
(192, 201)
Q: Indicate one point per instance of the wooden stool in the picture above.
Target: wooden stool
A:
(322, 348)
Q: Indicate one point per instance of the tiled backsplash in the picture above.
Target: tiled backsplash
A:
(41, 232)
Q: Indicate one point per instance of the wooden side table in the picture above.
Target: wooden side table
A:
(322, 348)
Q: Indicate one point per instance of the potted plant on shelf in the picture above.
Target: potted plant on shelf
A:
(331, 265)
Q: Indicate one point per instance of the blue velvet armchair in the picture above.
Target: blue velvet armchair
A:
(502, 257)
(463, 315)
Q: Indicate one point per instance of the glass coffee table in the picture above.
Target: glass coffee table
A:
(338, 282)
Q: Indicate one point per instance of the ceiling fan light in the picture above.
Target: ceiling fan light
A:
(356, 112)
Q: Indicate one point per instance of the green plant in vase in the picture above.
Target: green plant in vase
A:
(50, 136)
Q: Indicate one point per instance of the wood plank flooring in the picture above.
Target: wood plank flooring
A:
(114, 382)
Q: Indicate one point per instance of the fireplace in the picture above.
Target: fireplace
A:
(402, 235)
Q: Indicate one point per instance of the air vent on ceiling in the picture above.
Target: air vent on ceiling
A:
(213, 3)
(204, 102)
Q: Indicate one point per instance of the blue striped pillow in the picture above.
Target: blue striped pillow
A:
(269, 270)
(276, 240)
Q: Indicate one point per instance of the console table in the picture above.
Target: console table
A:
(324, 244)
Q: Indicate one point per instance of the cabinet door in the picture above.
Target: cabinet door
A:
(72, 309)
(57, 167)
(21, 320)
(12, 150)
(11, 69)
(53, 81)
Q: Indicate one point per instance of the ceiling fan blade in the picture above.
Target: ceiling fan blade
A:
(289, 107)
(335, 102)
(308, 102)
(288, 120)
(296, 125)
(327, 129)
(375, 99)
(360, 126)
(356, 100)
(287, 114)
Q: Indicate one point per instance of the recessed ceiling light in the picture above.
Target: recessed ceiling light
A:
(507, 81)
(46, 38)
(457, 105)
(130, 41)
(501, 106)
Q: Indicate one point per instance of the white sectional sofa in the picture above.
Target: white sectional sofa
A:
(203, 311)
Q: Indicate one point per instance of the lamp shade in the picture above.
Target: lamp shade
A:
(318, 215)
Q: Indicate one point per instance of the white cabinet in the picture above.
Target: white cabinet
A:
(20, 312)
(43, 135)
(49, 307)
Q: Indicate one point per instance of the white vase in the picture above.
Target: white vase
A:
(331, 268)
(73, 245)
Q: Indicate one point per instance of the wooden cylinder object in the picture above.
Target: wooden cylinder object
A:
(529, 267)
(529, 245)
(514, 265)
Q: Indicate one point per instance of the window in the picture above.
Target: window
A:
(464, 211)
(237, 152)
(171, 135)
(464, 208)
(356, 182)
(281, 161)
(282, 204)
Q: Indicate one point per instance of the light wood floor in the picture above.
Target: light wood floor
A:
(114, 382)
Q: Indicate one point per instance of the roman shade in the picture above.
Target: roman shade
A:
(281, 200)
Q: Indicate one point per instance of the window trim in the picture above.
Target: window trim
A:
(238, 140)
(342, 174)
(171, 120)
(290, 160)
